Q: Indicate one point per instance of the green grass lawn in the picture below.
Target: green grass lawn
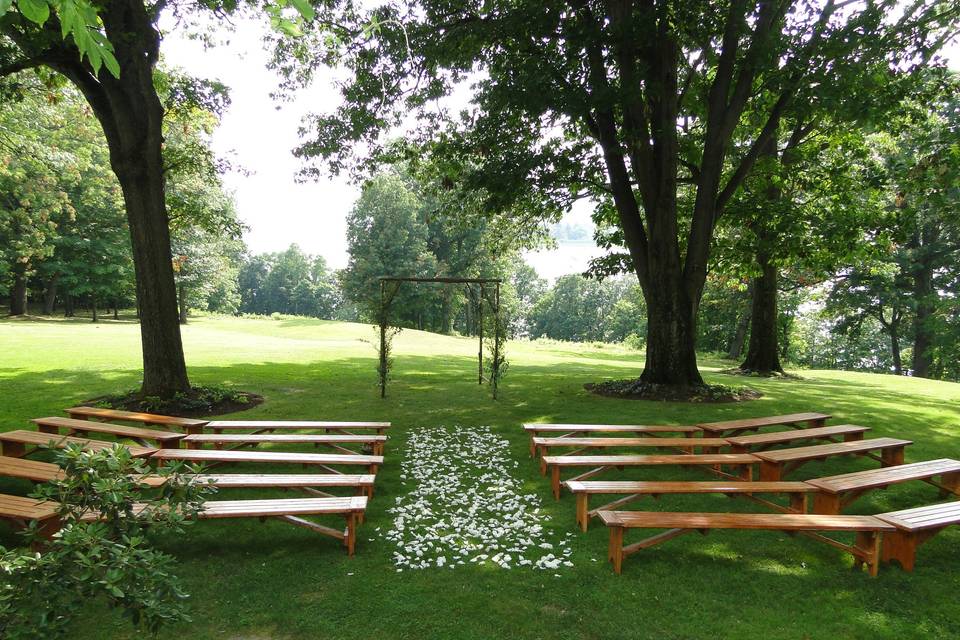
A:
(252, 580)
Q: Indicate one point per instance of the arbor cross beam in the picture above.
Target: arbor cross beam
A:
(390, 285)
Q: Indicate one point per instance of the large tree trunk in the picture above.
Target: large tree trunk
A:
(671, 356)
(68, 303)
(924, 300)
(50, 295)
(18, 294)
(743, 323)
(763, 356)
(93, 308)
(131, 115)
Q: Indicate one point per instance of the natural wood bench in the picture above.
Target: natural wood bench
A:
(335, 441)
(189, 425)
(311, 483)
(687, 445)
(774, 465)
(534, 429)
(836, 492)
(324, 460)
(20, 511)
(913, 528)
(289, 511)
(15, 443)
(266, 426)
(744, 461)
(761, 441)
(582, 490)
(865, 549)
(54, 424)
(735, 427)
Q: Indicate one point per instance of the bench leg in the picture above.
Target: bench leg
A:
(826, 503)
(770, 471)
(615, 550)
(533, 449)
(900, 546)
(891, 457)
(852, 437)
(555, 480)
(950, 483)
(543, 465)
(350, 535)
(868, 543)
(583, 519)
(798, 502)
(14, 449)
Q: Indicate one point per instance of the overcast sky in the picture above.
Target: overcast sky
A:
(260, 135)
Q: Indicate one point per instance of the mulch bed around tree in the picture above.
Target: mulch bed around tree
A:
(747, 373)
(199, 402)
(636, 389)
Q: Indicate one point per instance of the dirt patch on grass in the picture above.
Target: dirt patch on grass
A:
(198, 402)
(636, 389)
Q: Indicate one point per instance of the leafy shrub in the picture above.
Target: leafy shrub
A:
(102, 553)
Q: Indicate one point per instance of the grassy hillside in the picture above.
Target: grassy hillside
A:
(251, 580)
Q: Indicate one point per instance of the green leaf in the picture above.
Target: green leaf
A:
(34, 10)
(5, 6)
(305, 8)
(111, 63)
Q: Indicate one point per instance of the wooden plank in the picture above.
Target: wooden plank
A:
(110, 415)
(20, 438)
(247, 425)
(19, 507)
(873, 478)
(607, 428)
(774, 521)
(288, 480)
(286, 438)
(656, 487)
(744, 424)
(629, 442)
(642, 460)
(833, 449)
(53, 424)
(276, 507)
(782, 437)
(934, 516)
(212, 455)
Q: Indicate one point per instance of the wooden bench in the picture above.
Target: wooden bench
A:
(774, 465)
(266, 426)
(311, 483)
(743, 461)
(836, 492)
(865, 549)
(289, 511)
(188, 425)
(687, 445)
(761, 441)
(324, 460)
(582, 490)
(54, 425)
(336, 441)
(795, 420)
(20, 511)
(565, 430)
(15, 443)
(913, 528)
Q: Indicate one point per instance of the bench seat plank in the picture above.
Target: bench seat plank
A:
(20, 508)
(582, 491)
(847, 431)
(335, 441)
(290, 480)
(873, 478)
(797, 420)
(190, 425)
(865, 549)
(274, 425)
(292, 506)
(234, 455)
(565, 430)
(556, 463)
(53, 424)
(32, 470)
(15, 442)
(778, 462)
(629, 442)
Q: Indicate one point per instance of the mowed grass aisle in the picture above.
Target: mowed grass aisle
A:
(251, 580)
